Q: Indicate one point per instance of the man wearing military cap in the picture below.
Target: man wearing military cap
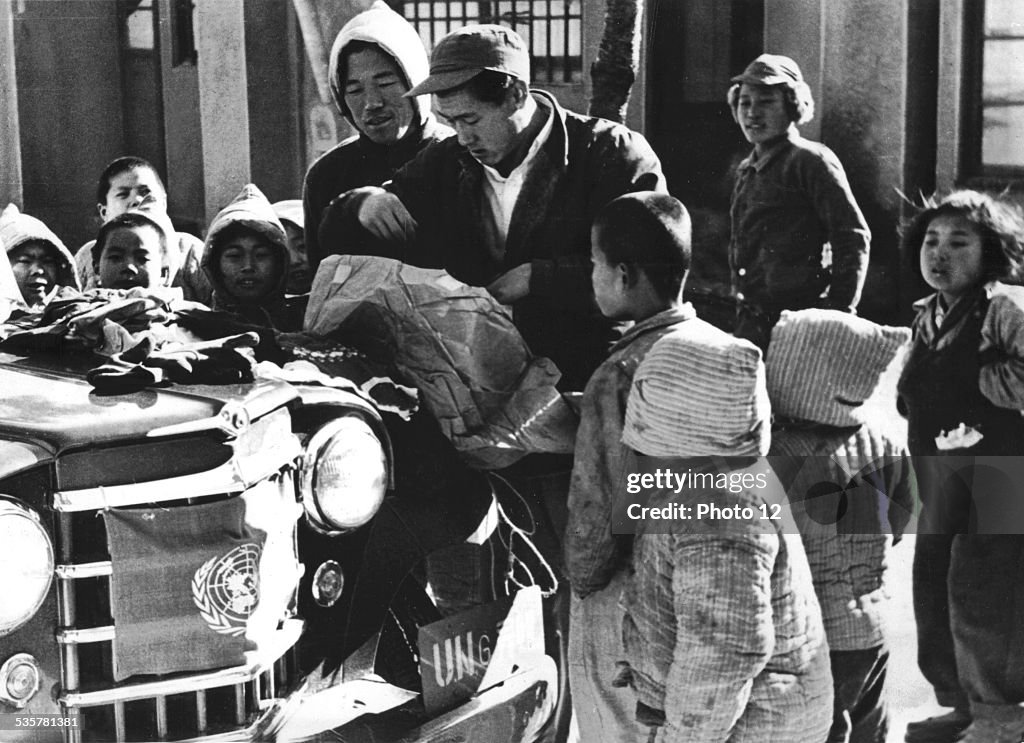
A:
(508, 202)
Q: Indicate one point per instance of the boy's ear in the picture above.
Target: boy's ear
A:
(628, 275)
(101, 209)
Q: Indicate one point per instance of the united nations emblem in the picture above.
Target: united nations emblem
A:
(226, 589)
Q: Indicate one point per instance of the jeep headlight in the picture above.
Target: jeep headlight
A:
(26, 564)
(344, 475)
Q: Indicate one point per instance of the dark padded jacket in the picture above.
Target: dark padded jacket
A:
(585, 163)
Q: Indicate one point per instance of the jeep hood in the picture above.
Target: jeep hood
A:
(47, 406)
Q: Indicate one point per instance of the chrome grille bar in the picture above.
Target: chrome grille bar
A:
(161, 717)
(271, 691)
(119, 724)
(201, 723)
(67, 613)
(85, 570)
(258, 662)
(226, 478)
(239, 704)
(85, 636)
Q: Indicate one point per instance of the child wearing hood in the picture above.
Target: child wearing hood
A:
(300, 278)
(246, 260)
(38, 258)
(10, 294)
(390, 128)
(851, 488)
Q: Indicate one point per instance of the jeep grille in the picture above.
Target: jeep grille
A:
(210, 705)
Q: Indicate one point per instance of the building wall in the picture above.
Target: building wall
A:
(10, 140)
(70, 110)
(182, 133)
(272, 80)
(855, 55)
(864, 121)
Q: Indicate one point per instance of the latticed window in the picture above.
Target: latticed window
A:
(994, 108)
(551, 28)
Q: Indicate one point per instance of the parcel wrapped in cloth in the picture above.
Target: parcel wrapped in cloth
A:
(494, 399)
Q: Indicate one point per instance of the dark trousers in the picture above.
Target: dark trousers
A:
(969, 607)
(986, 608)
(861, 714)
(935, 654)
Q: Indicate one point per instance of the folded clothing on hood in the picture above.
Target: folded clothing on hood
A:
(223, 361)
(103, 321)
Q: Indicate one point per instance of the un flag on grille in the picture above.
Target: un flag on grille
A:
(186, 580)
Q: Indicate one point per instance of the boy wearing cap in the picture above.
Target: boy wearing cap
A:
(790, 199)
(509, 201)
(376, 58)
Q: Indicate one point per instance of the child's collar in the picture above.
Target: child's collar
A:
(760, 162)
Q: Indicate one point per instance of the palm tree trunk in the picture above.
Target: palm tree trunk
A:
(618, 59)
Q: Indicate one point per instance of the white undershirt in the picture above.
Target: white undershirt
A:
(502, 192)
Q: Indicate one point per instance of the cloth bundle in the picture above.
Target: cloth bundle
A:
(494, 400)
(223, 361)
(328, 362)
(699, 392)
(823, 365)
(104, 321)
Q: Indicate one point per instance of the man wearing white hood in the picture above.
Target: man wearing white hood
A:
(376, 59)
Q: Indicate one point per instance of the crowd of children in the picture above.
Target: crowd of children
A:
(727, 629)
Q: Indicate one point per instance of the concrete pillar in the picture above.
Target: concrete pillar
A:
(864, 120)
(223, 101)
(183, 134)
(854, 56)
(949, 114)
(10, 138)
(796, 29)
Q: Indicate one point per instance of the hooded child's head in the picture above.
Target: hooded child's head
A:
(300, 277)
(39, 260)
(376, 59)
(246, 255)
